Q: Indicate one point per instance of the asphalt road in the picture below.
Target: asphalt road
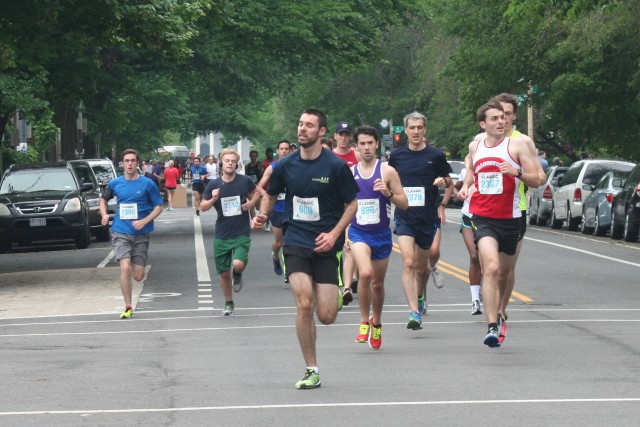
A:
(571, 356)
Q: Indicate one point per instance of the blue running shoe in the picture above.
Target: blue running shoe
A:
(492, 339)
(277, 268)
(415, 321)
(422, 307)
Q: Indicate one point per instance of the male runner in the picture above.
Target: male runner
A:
(198, 174)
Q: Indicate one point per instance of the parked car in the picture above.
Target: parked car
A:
(42, 202)
(541, 203)
(625, 208)
(596, 209)
(575, 187)
(86, 175)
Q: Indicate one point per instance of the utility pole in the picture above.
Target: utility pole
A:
(530, 110)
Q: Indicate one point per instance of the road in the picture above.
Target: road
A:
(571, 356)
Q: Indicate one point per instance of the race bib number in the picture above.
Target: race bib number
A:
(415, 195)
(368, 212)
(306, 209)
(282, 196)
(128, 211)
(490, 182)
(231, 206)
(196, 176)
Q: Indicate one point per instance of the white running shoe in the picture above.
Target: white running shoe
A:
(438, 280)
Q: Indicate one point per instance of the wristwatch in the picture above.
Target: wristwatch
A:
(519, 172)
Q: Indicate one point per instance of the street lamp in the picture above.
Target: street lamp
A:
(81, 128)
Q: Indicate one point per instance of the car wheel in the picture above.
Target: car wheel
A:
(102, 234)
(585, 229)
(533, 219)
(630, 229)
(555, 223)
(84, 238)
(572, 223)
(598, 229)
(616, 232)
(5, 246)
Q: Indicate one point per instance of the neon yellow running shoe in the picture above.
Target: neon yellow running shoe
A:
(127, 313)
(310, 380)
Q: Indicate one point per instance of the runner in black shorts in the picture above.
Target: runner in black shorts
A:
(198, 172)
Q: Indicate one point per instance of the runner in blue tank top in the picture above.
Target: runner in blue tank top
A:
(369, 233)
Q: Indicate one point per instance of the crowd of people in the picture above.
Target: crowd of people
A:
(328, 203)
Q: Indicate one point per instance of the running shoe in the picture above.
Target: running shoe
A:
(475, 307)
(228, 309)
(363, 333)
(492, 339)
(236, 280)
(422, 306)
(502, 324)
(127, 313)
(277, 268)
(438, 279)
(286, 279)
(267, 226)
(415, 321)
(375, 335)
(170, 209)
(197, 212)
(354, 286)
(310, 380)
(347, 296)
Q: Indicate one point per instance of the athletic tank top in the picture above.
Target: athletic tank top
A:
(496, 194)
(350, 158)
(522, 188)
(252, 171)
(373, 206)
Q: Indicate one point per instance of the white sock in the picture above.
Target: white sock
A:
(315, 368)
(475, 292)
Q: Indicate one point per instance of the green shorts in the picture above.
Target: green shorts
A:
(224, 251)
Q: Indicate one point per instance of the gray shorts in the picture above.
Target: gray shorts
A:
(133, 246)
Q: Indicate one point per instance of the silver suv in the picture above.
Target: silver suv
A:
(575, 187)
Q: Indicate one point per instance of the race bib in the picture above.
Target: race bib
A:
(231, 206)
(306, 209)
(282, 196)
(196, 176)
(128, 211)
(415, 195)
(490, 182)
(368, 212)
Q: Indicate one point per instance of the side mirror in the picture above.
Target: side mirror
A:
(588, 187)
(86, 186)
(616, 182)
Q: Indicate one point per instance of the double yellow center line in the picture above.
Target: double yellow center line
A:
(463, 275)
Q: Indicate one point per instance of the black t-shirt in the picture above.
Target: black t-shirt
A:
(232, 220)
(253, 171)
(317, 191)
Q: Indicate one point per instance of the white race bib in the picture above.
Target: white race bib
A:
(368, 212)
(231, 206)
(196, 176)
(415, 195)
(128, 211)
(490, 182)
(306, 209)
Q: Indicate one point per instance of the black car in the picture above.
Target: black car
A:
(43, 202)
(86, 175)
(625, 209)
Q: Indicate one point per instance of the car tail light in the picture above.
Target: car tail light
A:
(638, 190)
(577, 195)
(609, 197)
(547, 193)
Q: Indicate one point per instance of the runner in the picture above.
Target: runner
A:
(497, 168)
(369, 233)
(198, 173)
(421, 168)
(278, 213)
(139, 203)
(319, 204)
(233, 196)
(171, 177)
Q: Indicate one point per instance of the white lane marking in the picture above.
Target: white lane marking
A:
(291, 326)
(621, 261)
(106, 260)
(326, 405)
(205, 293)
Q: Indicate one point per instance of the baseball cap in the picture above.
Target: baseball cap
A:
(343, 127)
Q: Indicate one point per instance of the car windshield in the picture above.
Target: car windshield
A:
(456, 166)
(595, 171)
(33, 181)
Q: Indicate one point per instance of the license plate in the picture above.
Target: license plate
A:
(38, 222)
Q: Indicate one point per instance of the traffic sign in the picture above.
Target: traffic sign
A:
(398, 129)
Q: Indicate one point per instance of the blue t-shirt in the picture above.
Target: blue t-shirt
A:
(232, 220)
(278, 206)
(418, 170)
(200, 172)
(136, 199)
(316, 192)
